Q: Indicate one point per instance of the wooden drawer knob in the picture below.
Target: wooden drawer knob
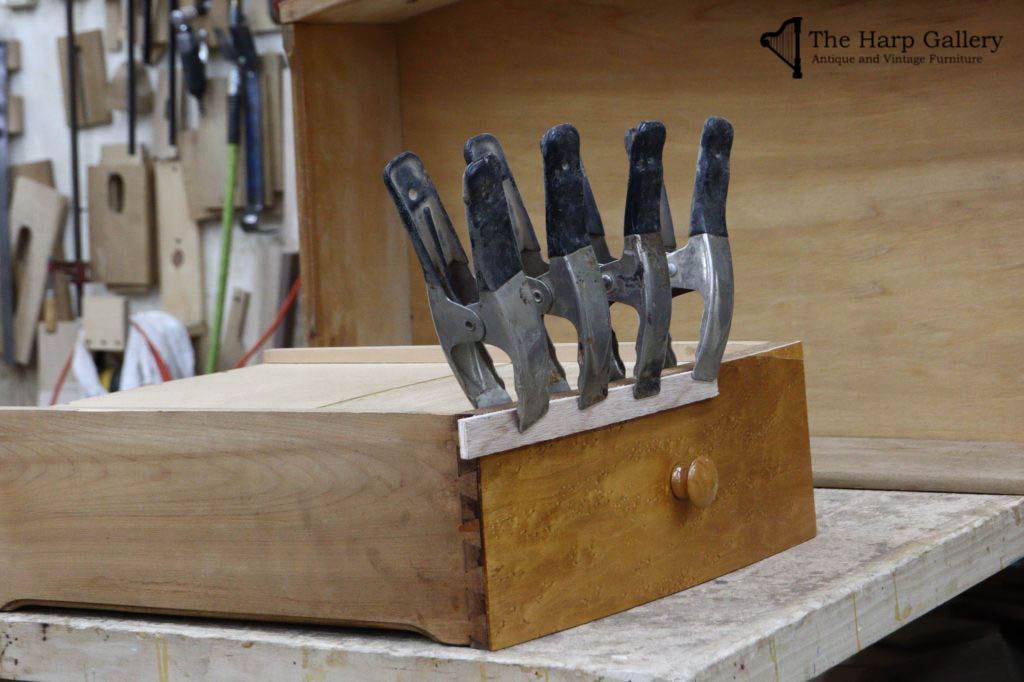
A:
(697, 483)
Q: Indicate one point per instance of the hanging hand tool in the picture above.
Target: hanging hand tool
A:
(147, 31)
(6, 261)
(172, 84)
(243, 97)
(76, 201)
(191, 45)
(131, 77)
(227, 217)
(529, 249)
(239, 47)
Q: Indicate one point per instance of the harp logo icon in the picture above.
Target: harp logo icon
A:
(785, 43)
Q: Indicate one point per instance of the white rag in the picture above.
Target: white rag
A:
(139, 367)
(172, 341)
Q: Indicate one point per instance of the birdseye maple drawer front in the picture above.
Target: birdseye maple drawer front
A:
(591, 524)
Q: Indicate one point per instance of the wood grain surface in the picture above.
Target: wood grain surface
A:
(345, 96)
(584, 526)
(359, 379)
(874, 210)
(568, 353)
(301, 516)
(919, 465)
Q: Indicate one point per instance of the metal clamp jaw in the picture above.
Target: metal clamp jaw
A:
(475, 149)
(512, 305)
(514, 287)
(640, 277)
(501, 306)
(451, 288)
(572, 275)
(704, 265)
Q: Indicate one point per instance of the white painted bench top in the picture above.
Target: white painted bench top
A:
(880, 560)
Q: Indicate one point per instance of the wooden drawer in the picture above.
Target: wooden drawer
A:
(326, 492)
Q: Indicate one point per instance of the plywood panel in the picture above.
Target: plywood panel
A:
(52, 351)
(204, 155)
(346, 102)
(585, 526)
(179, 250)
(874, 210)
(121, 248)
(37, 218)
(91, 79)
(105, 322)
(42, 172)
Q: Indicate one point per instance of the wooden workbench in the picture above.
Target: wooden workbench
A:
(880, 560)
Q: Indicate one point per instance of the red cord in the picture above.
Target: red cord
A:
(63, 374)
(288, 302)
(164, 372)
